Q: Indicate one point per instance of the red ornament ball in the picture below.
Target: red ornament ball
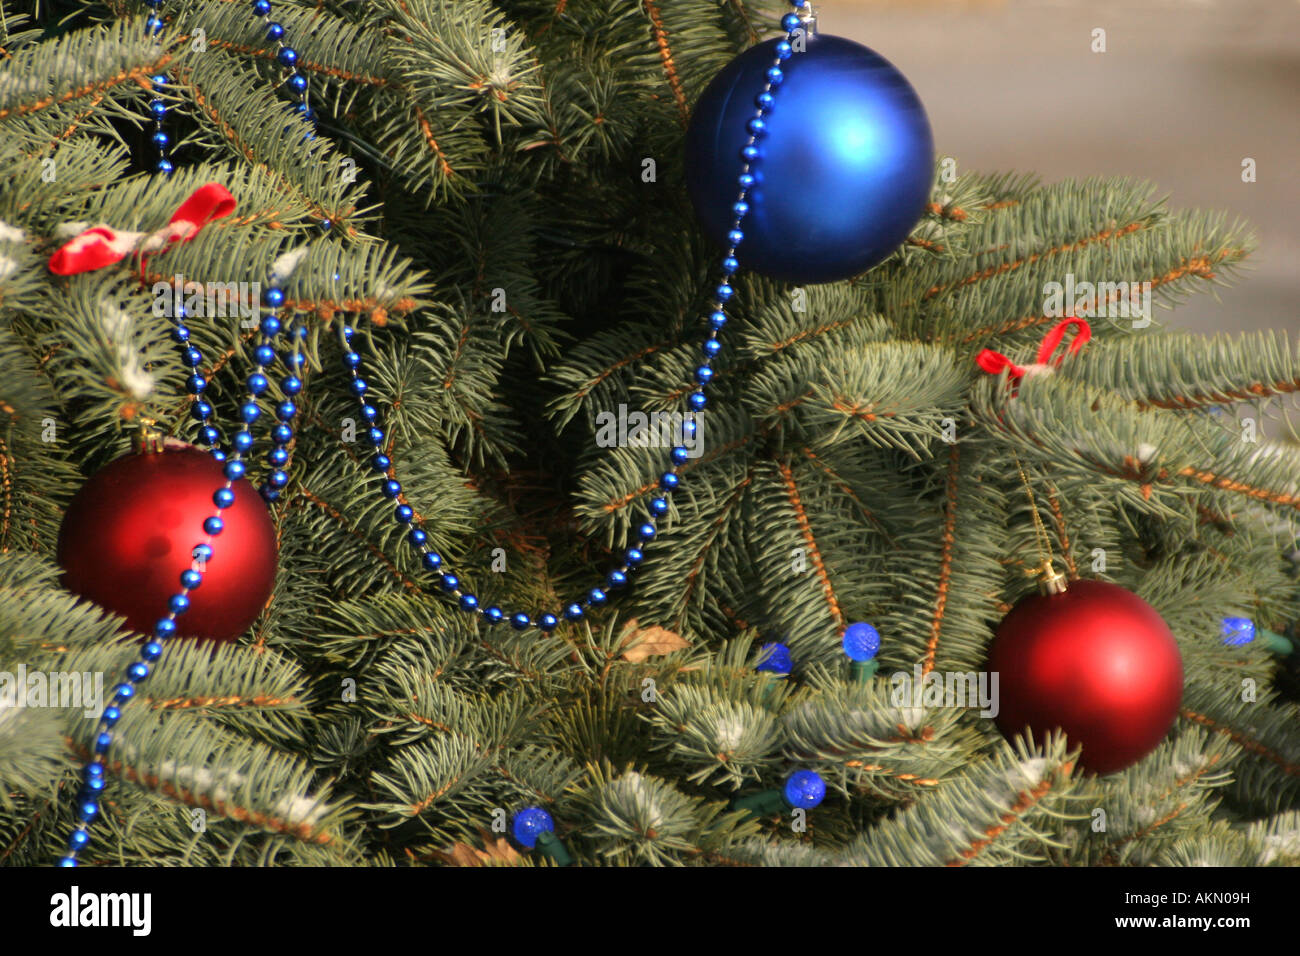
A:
(130, 532)
(1095, 661)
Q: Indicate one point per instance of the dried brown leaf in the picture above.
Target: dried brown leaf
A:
(642, 643)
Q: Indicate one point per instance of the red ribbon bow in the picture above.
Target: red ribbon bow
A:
(102, 246)
(995, 362)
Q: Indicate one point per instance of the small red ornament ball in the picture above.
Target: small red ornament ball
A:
(1096, 662)
(131, 530)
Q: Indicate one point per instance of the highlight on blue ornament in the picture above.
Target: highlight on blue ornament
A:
(804, 789)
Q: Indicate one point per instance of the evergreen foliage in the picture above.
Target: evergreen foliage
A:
(501, 149)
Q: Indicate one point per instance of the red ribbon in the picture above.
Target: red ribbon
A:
(995, 362)
(102, 246)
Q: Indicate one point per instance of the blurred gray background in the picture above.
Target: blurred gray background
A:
(1185, 91)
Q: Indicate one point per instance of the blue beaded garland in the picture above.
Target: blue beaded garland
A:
(531, 821)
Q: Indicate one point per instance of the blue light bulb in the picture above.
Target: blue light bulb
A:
(529, 824)
(1237, 631)
(804, 788)
(775, 657)
(861, 641)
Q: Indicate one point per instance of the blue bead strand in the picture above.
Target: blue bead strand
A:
(158, 110)
(660, 505)
(233, 464)
(233, 469)
(288, 59)
(150, 652)
(279, 455)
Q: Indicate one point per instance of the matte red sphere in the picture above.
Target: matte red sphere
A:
(131, 530)
(1097, 662)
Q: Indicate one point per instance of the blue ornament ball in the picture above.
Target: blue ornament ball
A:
(845, 164)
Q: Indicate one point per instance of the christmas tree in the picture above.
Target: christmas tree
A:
(485, 202)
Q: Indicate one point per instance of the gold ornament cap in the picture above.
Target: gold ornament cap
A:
(1050, 581)
(149, 438)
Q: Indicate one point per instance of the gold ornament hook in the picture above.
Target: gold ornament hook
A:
(149, 439)
(1050, 581)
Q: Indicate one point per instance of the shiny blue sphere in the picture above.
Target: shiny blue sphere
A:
(529, 824)
(804, 788)
(845, 166)
(861, 641)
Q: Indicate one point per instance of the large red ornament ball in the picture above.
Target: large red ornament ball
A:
(1096, 662)
(131, 530)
